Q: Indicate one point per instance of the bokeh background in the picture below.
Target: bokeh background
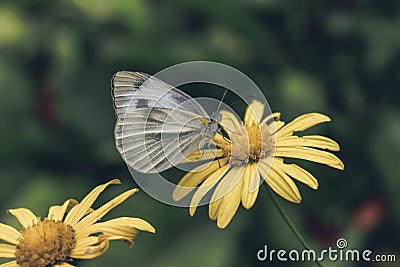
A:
(341, 58)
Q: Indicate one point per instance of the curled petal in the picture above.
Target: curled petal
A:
(57, 212)
(122, 226)
(97, 246)
(103, 210)
(25, 217)
(81, 209)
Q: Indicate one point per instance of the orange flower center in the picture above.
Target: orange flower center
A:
(251, 144)
(45, 244)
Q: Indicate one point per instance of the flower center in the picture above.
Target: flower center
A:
(251, 144)
(45, 244)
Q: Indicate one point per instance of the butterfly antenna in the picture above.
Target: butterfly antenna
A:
(222, 98)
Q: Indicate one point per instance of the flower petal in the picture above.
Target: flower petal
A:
(103, 210)
(302, 123)
(206, 186)
(213, 208)
(10, 264)
(280, 182)
(64, 264)
(220, 140)
(230, 122)
(193, 178)
(91, 251)
(251, 184)
(217, 197)
(231, 179)
(57, 212)
(25, 217)
(7, 251)
(81, 209)
(315, 141)
(254, 113)
(229, 205)
(298, 173)
(9, 234)
(310, 154)
(200, 155)
(122, 226)
(273, 117)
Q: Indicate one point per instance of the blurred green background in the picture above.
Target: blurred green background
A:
(341, 58)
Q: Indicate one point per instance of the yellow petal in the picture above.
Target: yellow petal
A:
(81, 209)
(298, 173)
(57, 212)
(64, 264)
(251, 183)
(230, 122)
(229, 205)
(273, 117)
(213, 208)
(310, 154)
(278, 125)
(9, 234)
(302, 123)
(192, 179)
(92, 251)
(122, 226)
(254, 113)
(7, 251)
(10, 264)
(103, 210)
(315, 141)
(230, 180)
(227, 184)
(206, 186)
(220, 141)
(200, 155)
(280, 182)
(25, 217)
(86, 241)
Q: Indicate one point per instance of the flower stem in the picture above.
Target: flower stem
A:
(290, 224)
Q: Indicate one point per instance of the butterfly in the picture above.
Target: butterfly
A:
(158, 126)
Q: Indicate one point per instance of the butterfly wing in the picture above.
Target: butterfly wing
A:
(158, 126)
(135, 90)
(155, 139)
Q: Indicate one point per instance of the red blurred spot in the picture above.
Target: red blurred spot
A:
(367, 215)
(46, 107)
(325, 232)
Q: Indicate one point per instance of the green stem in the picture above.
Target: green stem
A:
(289, 223)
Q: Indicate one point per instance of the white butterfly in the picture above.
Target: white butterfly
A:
(158, 126)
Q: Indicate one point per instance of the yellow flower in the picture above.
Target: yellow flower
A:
(70, 231)
(255, 151)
